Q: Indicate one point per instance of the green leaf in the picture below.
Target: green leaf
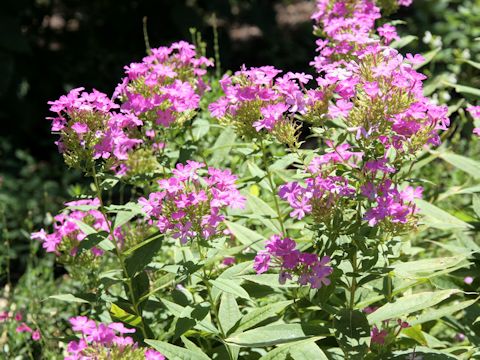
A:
(352, 332)
(309, 350)
(87, 229)
(409, 304)
(124, 316)
(256, 316)
(223, 145)
(426, 267)
(404, 41)
(463, 163)
(422, 353)
(415, 332)
(476, 204)
(228, 313)
(69, 298)
(124, 216)
(443, 311)
(276, 334)
(264, 212)
(439, 218)
(464, 89)
(298, 350)
(142, 254)
(92, 240)
(246, 236)
(473, 63)
(190, 344)
(270, 280)
(179, 311)
(283, 162)
(173, 352)
(230, 286)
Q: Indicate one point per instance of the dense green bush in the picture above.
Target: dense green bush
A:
(259, 215)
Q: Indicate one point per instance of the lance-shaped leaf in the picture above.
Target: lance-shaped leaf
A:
(409, 304)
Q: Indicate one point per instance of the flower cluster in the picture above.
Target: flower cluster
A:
(281, 252)
(67, 233)
(322, 192)
(258, 99)
(109, 341)
(189, 205)
(475, 112)
(165, 88)
(22, 327)
(381, 339)
(379, 94)
(392, 205)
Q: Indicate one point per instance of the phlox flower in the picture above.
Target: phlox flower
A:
(96, 338)
(67, 234)
(280, 252)
(191, 203)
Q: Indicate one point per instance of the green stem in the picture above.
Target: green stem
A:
(200, 151)
(212, 302)
(119, 254)
(273, 188)
(353, 286)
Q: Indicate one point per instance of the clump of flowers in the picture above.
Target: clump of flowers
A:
(323, 191)
(383, 338)
(393, 206)
(67, 231)
(190, 204)
(166, 87)
(378, 92)
(22, 327)
(258, 101)
(280, 252)
(106, 341)
(475, 112)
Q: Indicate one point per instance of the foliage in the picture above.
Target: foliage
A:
(261, 215)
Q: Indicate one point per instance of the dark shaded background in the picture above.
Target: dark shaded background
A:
(47, 47)
(50, 46)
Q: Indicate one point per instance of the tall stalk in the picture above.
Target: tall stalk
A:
(119, 254)
(272, 187)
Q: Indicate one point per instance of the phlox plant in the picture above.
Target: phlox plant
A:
(267, 214)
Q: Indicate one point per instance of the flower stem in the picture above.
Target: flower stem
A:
(273, 187)
(212, 302)
(353, 286)
(119, 254)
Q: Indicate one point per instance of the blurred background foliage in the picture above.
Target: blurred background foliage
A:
(50, 46)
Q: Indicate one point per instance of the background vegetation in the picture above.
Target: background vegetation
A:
(49, 46)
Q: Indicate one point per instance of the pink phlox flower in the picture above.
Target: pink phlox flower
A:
(23, 327)
(377, 336)
(340, 109)
(151, 354)
(36, 336)
(414, 59)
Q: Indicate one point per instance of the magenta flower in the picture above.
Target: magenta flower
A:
(280, 252)
(151, 354)
(377, 336)
(23, 328)
(66, 230)
(97, 337)
(262, 262)
(36, 336)
(192, 202)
